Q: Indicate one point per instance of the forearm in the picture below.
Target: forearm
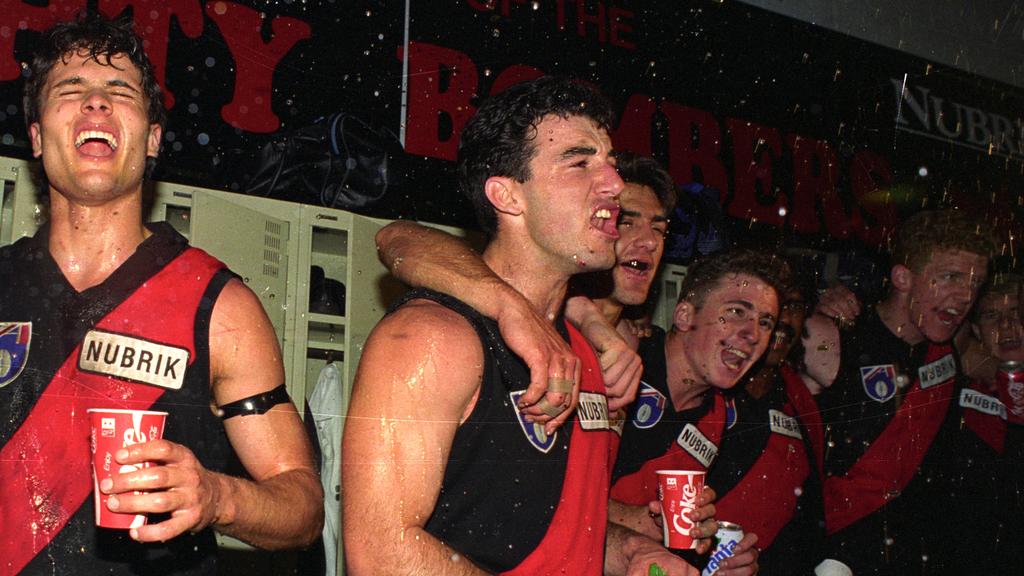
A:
(627, 551)
(635, 518)
(424, 257)
(586, 315)
(280, 512)
(415, 551)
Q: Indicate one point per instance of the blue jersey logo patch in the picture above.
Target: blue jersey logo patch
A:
(650, 405)
(14, 342)
(730, 413)
(879, 381)
(534, 432)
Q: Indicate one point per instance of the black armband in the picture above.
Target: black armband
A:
(257, 404)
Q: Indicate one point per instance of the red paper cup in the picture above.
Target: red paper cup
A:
(111, 431)
(678, 491)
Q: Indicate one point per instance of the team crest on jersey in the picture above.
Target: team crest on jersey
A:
(133, 359)
(534, 432)
(730, 413)
(650, 406)
(879, 381)
(14, 344)
(937, 372)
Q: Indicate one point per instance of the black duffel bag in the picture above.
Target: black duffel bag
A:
(340, 161)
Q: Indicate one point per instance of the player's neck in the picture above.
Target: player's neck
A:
(684, 386)
(541, 284)
(89, 242)
(894, 312)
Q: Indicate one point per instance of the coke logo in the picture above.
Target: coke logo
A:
(133, 436)
(687, 501)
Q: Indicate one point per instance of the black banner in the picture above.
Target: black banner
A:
(807, 135)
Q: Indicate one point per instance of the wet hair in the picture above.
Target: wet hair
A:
(647, 171)
(705, 274)
(101, 39)
(931, 231)
(500, 139)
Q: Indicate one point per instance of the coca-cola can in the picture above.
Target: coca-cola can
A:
(1010, 387)
(727, 539)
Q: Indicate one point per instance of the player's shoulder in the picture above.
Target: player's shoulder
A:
(429, 322)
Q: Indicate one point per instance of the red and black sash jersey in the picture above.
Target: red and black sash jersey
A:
(980, 487)
(656, 437)
(138, 340)
(891, 425)
(514, 500)
(766, 477)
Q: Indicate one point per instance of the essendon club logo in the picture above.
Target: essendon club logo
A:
(14, 344)
(879, 381)
(534, 432)
(650, 405)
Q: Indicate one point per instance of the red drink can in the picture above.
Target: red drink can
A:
(1010, 387)
(727, 539)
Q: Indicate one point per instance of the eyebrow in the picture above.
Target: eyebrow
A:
(77, 81)
(623, 212)
(749, 306)
(577, 151)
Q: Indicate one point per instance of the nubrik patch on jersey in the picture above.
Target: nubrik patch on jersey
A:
(974, 400)
(784, 424)
(133, 359)
(697, 445)
(593, 411)
(937, 372)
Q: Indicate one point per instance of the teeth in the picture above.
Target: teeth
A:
(637, 265)
(738, 353)
(603, 213)
(952, 311)
(96, 135)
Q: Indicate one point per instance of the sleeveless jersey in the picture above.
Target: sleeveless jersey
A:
(767, 479)
(514, 500)
(657, 437)
(981, 490)
(890, 421)
(138, 340)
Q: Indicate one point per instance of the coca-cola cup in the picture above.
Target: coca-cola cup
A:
(678, 491)
(112, 430)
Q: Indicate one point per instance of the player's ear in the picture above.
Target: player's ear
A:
(153, 140)
(682, 316)
(37, 140)
(502, 193)
(902, 278)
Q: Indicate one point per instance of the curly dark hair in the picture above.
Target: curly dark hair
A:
(646, 171)
(499, 139)
(705, 273)
(929, 231)
(101, 39)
